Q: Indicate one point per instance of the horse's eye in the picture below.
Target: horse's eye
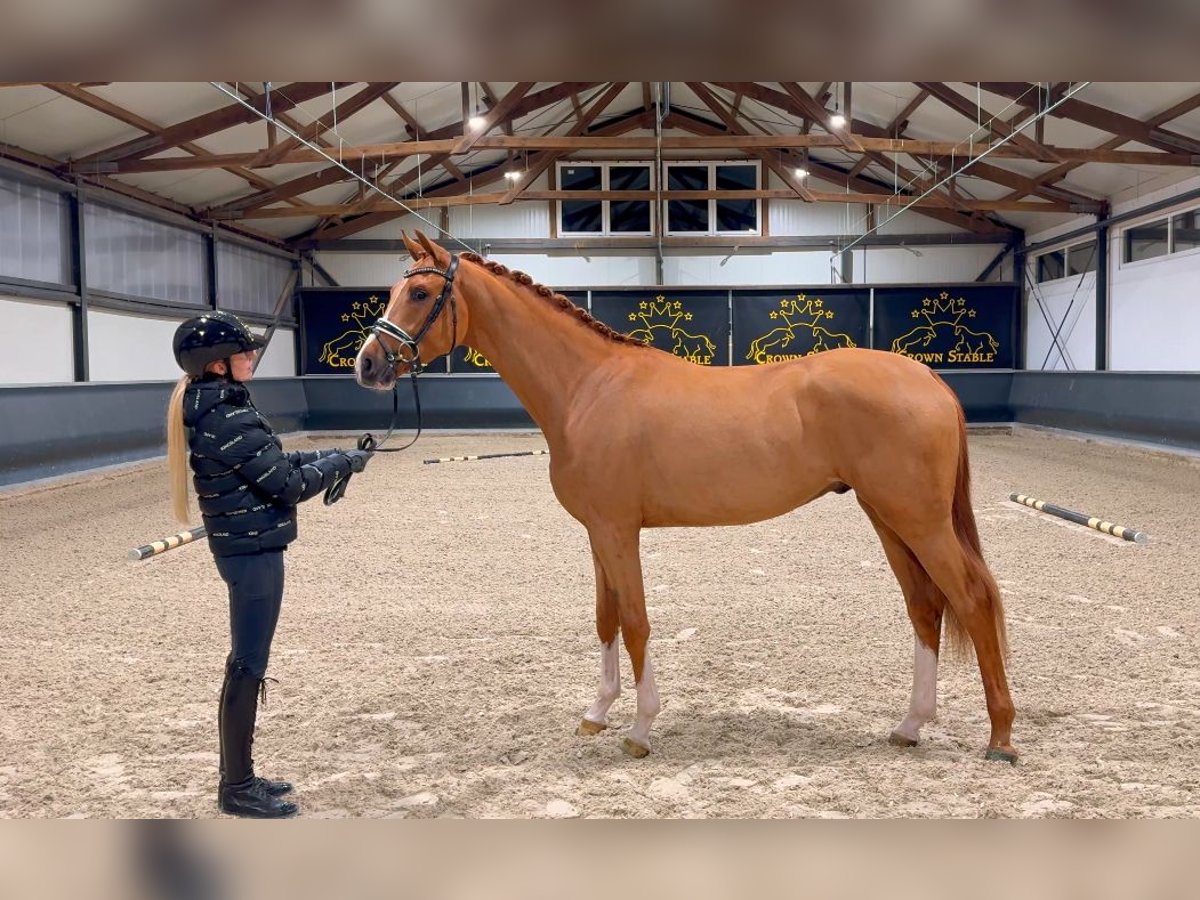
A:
(419, 294)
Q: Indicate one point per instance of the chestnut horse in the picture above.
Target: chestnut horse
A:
(639, 439)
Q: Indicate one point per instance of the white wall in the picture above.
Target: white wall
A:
(517, 220)
(581, 269)
(35, 342)
(279, 359)
(900, 265)
(744, 267)
(363, 269)
(790, 217)
(128, 347)
(1154, 313)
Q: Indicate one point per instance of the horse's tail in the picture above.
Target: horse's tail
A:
(978, 574)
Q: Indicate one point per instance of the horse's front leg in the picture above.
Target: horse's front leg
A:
(617, 553)
(595, 719)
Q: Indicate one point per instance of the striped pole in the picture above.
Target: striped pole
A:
(487, 456)
(1129, 534)
(167, 543)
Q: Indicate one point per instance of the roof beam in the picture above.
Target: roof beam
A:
(1058, 173)
(1098, 117)
(342, 111)
(740, 140)
(123, 115)
(817, 112)
(985, 119)
(333, 174)
(896, 127)
(494, 116)
(281, 99)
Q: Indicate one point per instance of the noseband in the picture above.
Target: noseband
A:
(409, 344)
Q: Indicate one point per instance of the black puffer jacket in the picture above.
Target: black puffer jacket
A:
(247, 486)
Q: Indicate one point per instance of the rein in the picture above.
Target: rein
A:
(409, 343)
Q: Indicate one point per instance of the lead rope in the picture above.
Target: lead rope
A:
(368, 442)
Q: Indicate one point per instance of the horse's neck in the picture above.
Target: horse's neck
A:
(540, 350)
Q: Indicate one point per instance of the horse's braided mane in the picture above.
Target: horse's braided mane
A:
(557, 299)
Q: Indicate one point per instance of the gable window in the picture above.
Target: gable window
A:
(1185, 231)
(1081, 258)
(1065, 262)
(1050, 266)
(585, 216)
(713, 216)
(1146, 241)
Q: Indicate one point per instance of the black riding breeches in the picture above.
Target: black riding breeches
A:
(255, 595)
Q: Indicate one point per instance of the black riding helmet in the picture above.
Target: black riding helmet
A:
(211, 337)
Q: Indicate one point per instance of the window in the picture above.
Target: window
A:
(1050, 266)
(1146, 241)
(1081, 258)
(600, 216)
(713, 216)
(1185, 231)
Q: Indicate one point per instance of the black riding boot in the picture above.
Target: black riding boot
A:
(240, 793)
(272, 787)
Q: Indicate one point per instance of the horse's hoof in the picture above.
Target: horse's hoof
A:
(1002, 754)
(634, 749)
(587, 728)
(896, 739)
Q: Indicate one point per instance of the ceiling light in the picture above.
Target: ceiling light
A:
(476, 122)
(800, 172)
(837, 120)
(512, 175)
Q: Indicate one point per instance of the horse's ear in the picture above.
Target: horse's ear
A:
(414, 249)
(429, 246)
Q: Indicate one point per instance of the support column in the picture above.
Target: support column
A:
(79, 312)
(1101, 297)
(1022, 323)
(210, 261)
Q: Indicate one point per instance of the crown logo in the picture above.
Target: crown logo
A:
(660, 322)
(941, 336)
(801, 332)
(341, 350)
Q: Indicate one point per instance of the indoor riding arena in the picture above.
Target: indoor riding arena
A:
(683, 346)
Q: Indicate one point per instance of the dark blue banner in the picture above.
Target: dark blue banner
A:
(949, 326)
(774, 326)
(694, 325)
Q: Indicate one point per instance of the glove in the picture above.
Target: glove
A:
(357, 459)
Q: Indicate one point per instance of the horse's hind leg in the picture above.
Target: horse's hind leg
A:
(595, 719)
(925, 605)
(616, 549)
(974, 603)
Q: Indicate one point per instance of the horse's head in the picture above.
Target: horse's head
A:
(425, 318)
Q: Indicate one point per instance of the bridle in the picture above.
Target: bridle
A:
(409, 346)
(410, 343)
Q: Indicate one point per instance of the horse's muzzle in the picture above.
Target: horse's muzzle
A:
(372, 371)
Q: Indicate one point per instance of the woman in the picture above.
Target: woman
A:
(248, 489)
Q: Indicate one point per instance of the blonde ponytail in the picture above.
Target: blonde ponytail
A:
(177, 452)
